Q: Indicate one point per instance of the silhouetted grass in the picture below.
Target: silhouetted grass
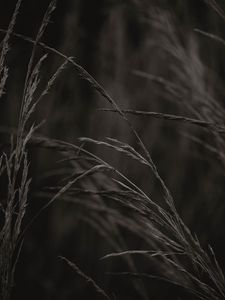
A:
(104, 196)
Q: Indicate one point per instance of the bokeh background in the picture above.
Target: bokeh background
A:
(119, 43)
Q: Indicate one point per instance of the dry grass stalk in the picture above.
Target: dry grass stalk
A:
(85, 277)
(15, 165)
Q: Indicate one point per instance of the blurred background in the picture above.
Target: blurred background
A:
(148, 57)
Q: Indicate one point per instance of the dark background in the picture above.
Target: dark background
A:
(111, 39)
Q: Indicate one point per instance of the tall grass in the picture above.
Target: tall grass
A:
(106, 198)
(15, 164)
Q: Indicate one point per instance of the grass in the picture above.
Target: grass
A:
(107, 199)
